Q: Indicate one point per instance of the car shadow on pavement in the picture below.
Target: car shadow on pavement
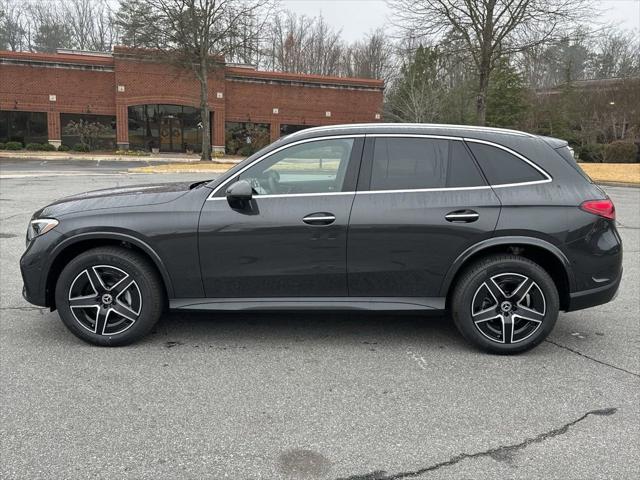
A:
(177, 328)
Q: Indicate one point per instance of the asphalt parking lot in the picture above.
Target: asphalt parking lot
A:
(310, 396)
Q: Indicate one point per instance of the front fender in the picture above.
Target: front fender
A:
(118, 236)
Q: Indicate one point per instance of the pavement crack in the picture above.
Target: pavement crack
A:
(573, 350)
(23, 308)
(500, 453)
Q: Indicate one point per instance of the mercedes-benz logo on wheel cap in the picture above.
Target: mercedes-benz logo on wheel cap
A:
(506, 306)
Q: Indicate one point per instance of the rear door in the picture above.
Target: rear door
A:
(420, 202)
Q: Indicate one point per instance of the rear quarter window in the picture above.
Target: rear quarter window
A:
(501, 167)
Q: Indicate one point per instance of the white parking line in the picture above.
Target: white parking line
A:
(58, 174)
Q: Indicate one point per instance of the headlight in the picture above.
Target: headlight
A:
(40, 227)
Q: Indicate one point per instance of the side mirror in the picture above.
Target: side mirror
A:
(239, 194)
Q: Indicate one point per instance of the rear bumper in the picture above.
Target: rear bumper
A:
(594, 296)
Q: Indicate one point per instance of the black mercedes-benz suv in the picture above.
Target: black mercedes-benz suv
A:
(499, 228)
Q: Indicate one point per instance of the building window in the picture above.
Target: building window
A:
(287, 129)
(104, 140)
(168, 128)
(245, 138)
(24, 127)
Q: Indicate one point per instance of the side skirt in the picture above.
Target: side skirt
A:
(310, 303)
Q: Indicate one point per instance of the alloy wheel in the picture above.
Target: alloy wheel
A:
(105, 300)
(508, 308)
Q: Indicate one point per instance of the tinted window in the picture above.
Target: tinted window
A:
(408, 163)
(416, 163)
(313, 167)
(501, 167)
(463, 171)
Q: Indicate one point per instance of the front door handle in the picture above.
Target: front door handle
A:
(462, 216)
(320, 218)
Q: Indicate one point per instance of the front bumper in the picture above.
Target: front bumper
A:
(594, 296)
(34, 267)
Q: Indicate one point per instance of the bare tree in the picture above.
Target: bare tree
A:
(490, 29)
(192, 34)
(371, 58)
(304, 44)
(91, 24)
(50, 26)
(617, 54)
(13, 25)
(418, 94)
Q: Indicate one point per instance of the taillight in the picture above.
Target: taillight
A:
(603, 208)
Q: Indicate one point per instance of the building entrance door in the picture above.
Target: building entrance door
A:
(171, 134)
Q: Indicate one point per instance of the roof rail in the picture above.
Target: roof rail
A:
(414, 125)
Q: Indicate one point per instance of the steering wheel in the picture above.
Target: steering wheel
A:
(274, 181)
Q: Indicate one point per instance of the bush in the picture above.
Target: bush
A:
(13, 146)
(2, 146)
(591, 152)
(620, 152)
(81, 147)
(64, 148)
(42, 147)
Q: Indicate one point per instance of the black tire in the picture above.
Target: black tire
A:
(117, 296)
(520, 323)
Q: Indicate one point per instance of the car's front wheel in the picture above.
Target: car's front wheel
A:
(109, 296)
(505, 304)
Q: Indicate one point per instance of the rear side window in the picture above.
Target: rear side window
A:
(419, 163)
(463, 171)
(501, 167)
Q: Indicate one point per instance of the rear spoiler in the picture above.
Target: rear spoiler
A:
(555, 143)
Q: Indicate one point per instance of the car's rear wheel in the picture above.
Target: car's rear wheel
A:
(505, 304)
(109, 296)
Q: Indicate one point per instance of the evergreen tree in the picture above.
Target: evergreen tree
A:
(507, 102)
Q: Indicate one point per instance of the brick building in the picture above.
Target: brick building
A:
(147, 105)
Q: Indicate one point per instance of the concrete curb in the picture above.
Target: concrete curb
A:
(110, 158)
(618, 184)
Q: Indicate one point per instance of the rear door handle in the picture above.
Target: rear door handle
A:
(320, 218)
(462, 216)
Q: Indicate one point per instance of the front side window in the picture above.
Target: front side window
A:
(312, 167)
(422, 163)
(501, 167)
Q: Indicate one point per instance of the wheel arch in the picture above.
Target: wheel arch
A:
(73, 246)
(545, 254)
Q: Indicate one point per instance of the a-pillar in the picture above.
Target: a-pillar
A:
(275, 131)
(53, 128)
(122, 127)
(217, 132)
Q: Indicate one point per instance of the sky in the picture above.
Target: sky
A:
(358, 17)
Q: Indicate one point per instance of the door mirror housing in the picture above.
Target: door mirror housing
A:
(239, 194)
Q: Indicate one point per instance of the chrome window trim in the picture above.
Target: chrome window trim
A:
(287, 195)
(544, 173)
(267, 155)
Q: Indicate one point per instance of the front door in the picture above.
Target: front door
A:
(171, 134)
(291, 240)
(421, 202)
